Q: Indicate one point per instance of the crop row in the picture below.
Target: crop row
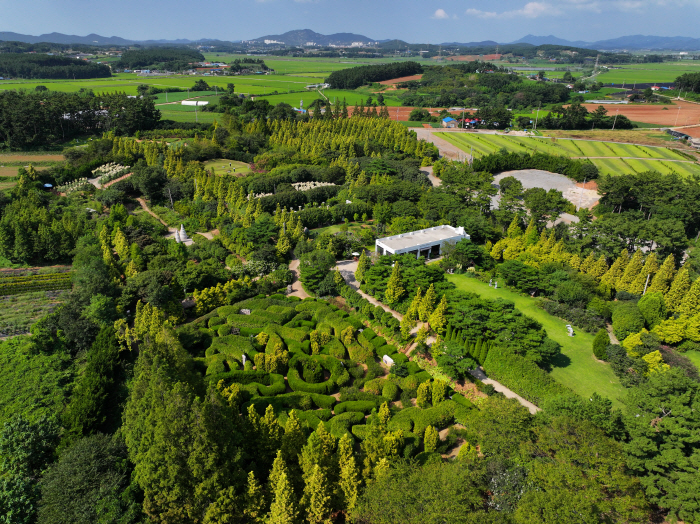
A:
(28, 284)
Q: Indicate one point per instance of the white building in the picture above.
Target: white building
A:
(194, 103)
(426, 242)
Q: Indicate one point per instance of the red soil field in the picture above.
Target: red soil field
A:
(689, 113)
(692, 131)
(399, 80)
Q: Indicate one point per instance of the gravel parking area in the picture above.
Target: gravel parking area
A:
(531, 178)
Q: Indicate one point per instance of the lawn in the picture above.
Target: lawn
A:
(577, 368)
(694, 357)
(222, 166)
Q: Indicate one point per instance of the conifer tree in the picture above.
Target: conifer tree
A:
(384, 414)
(422, 335)
(575, 262)
(599, 268)
(431, 437)
(679, 288)
(651, 266)
(632, 271)
(338, 279)
(255, 505)
(438, 319)
(531, 234)
(394, 288)
(424, 394)
(407, 325)
(587, 263)
(284, 245)
(439, 390)
(664, 277)
(121, 244)
(514, 230)
(415, 306)
(349, 475)
(614, 274)
(427, 304)
(690, 305)
(283, 509)
(279, 467)
(317, 494)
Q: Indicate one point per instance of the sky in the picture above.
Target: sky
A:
(416, 21)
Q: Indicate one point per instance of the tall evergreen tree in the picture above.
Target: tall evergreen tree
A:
(614, 274)
(600, 344)
(664, 277)
(690, 305)
(349, 475)
(438, 319)
(587, 263)
(427, 304)
(632, 271)
(316, 492)
(599, 268)
(431, 438)
(394, 287)
(363, 264)
(678, 290)
(651, 266)
(283, 509)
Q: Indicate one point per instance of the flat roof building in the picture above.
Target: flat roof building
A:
(426, 242)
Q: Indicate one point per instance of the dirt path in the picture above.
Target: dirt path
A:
(446, 149)
(297, 289)
(478, 373)
(433, 179)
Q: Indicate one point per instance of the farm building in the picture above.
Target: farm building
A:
(449, 122)
(194, 103)
(426, 242)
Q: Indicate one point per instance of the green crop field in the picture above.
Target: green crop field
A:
(577, 368)
(648, 73)
(610, 157)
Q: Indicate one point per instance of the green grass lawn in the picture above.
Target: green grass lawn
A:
(694, 357)
(577, 368)
(222, 166)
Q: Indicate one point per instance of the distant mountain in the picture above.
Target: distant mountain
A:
(60, 38)
(485, 43)
(636, 42)
(304, 36)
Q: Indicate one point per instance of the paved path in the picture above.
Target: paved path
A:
(297, 289)
(478, 373)
(96, 181)
(433, 179)
(446, 149)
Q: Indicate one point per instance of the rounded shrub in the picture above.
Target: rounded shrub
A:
(627, 320)
(600, 345)
(390, 391)
(312, 371)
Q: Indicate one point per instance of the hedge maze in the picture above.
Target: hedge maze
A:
(322, 362)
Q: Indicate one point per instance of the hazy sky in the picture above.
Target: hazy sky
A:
(421, 21)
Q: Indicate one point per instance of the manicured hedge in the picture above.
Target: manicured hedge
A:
(298, 384)
(462, 401)
(246, 321)
(334, 348)
(277, 386)
(365, 342)
(216, 367)
(390, 391)
(216, 322)
(360, 354)
(342, 424)
(522, 376)
(379, 342)
(416, 419)
(361, 431)
(241, 377)
(224, 330)
(369, 334)
(361, 406)
(627, 320)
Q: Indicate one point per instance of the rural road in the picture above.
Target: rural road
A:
(297, 289)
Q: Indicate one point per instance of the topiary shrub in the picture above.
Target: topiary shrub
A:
(312, 371)
(224, 330)
(216, 367)
(216, 322)
(652, 306)
(369, 333)
(600, 344)
(341, 424)
(361, 406)
(626, 320)
(390, 391)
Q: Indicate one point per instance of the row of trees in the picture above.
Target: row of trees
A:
(48, 66)
(355, 77)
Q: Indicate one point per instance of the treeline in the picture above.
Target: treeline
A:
(577, 117)
(502, 161)
(46, 66)
(357, 76)
(158, 55)
(33, 119)
(688, 82)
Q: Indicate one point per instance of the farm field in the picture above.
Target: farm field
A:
(19, 312)
(664, 116)
(578, 368)
(610, 157)
(649, 73)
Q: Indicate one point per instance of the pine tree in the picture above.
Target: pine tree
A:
(438, 319)
(651, 266)
(484, 352)
(319, 500)
(121, 244)
(422, 335)
(531, 234)
(407, 325)
(439, 391)
(284, 245)
(431, 438)
(427, 304)
(394, 288)
(664, 277)
(632, 271)
(575, 262)
(283, 509)
(415, 306)
(279, 468)
(679, 288)
(514, 230)
(690, 305)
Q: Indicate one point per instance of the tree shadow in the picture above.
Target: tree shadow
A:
(560, 361)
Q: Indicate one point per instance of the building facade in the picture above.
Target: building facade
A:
(424, 243)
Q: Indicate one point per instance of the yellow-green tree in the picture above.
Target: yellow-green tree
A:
(349, 474)
(679, 288)
(121, 244)
(438, 320)
(651, 266)
(427, 304)
(664, 277)
(283, 509)
(599, 268)
(614, 274)
(316, 492)
(431, 438)
(363, 264)
(424, 395)
(632, 271)
(394, 287)
(690, 305)
(588, 262)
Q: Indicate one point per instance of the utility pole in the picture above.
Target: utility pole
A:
(538, 115)
(615, 121)
(677, 115)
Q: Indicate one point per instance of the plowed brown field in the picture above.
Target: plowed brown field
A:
(399, 80)
(404, 112)
(662, 115)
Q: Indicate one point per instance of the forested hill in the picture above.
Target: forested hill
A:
(169, 56)
(354, 77)
(46, 66)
